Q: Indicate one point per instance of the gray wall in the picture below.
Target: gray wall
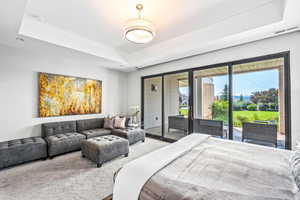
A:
(19, 89)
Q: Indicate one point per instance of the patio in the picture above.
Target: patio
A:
(237, 135)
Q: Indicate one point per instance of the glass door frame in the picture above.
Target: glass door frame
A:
(287, 92)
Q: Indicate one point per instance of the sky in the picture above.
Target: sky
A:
(245, 83)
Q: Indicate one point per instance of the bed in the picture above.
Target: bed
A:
(203, 167)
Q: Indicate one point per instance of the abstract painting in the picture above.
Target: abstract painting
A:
(65, 95)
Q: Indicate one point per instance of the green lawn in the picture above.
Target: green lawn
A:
(250, 116)
(244, 116)
(184, 111)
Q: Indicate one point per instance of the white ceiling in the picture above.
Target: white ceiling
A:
(94, 28)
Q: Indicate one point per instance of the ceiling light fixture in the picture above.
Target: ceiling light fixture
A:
(139, 30)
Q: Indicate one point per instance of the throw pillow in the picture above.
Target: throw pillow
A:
(120, 122)
(108, 123)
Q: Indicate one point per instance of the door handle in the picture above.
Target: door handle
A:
(191, 112)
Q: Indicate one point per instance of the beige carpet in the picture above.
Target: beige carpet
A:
(66, 177)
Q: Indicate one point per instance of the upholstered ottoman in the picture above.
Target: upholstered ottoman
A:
(104, 148)
(133, 135)
(19, 151)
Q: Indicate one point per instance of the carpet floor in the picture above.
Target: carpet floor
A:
(67, 177)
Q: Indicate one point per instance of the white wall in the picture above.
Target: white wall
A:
(289, 42)
(19, 89)
(153, 103)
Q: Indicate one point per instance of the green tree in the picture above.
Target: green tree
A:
(225, 93)
(265, 96)
(252, 107)
(220, 110)
(241, 98)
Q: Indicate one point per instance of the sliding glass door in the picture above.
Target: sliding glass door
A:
(259, 103)
(246, 101)
(211, 101)
(176, 105)
(152, 115)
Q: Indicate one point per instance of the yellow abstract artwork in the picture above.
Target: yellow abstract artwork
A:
(64, 95)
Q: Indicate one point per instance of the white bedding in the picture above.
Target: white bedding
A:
(134, 175)
(202, 167)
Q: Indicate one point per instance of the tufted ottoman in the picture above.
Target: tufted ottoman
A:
(18, 151)
(104, 148)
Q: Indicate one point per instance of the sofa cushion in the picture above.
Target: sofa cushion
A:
(109, 123)
(62, 143)
(119, 122)
(87, 124)
(49, 129)
(96, 132)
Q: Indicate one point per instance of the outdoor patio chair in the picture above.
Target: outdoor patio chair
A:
(262, 134)
(178, 122)
(210, 127)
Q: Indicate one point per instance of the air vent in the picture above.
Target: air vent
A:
(20, 39)
(287, 30)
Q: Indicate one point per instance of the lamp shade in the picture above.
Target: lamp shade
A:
(139, 31)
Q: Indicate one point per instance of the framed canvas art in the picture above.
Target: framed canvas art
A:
(66, 95)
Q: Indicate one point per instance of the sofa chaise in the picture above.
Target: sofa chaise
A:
(133, 135)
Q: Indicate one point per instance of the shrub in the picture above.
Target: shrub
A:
(252, 107)
(263, 107)
(238, 106)
(273, 107)
(220, 110)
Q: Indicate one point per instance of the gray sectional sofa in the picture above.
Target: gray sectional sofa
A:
(92, 127)
(59, 138)
(62, 137)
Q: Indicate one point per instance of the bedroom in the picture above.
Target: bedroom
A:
(221, 42)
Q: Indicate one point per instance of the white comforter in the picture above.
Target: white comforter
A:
(133, 176)
(202, 167)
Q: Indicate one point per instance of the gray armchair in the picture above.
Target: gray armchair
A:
(210, 127)
(263, 134)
